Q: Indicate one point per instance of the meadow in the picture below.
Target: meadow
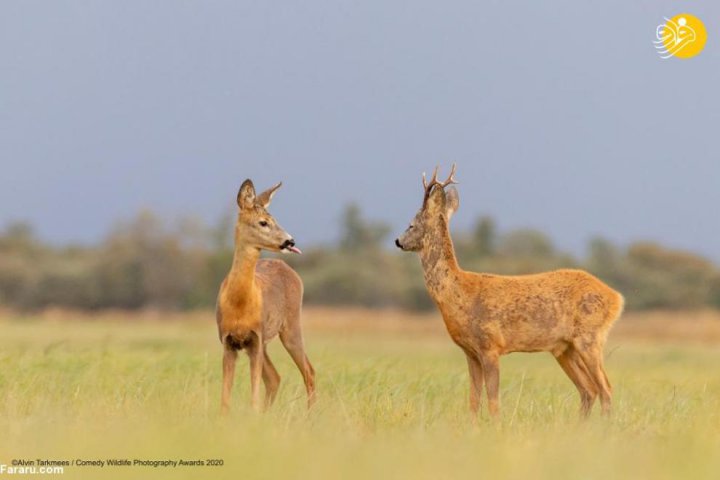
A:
(392, 401)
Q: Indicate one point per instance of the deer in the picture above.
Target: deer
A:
(260, 299)
(567, 313)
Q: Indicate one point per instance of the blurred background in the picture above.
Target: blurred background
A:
(127, 127)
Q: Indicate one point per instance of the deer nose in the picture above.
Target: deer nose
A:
(397, 243)
(288, 243)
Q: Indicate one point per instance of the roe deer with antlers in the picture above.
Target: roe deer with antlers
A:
(565, 312)
(260, 299)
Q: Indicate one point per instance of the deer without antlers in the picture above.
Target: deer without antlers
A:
(260, 299)
(565, 312)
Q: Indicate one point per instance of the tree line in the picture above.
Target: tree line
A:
(145, 263)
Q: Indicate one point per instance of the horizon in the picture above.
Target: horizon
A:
(174, 226)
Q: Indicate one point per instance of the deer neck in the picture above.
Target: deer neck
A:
(241, 279)
(439, 264)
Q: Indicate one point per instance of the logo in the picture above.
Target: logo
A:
(682, 36)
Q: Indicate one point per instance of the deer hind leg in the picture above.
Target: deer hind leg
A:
(491, 371)
(591, 355)
(229, 359)
(572, 365)
(476, 382)
(271, 378)
(607, 380)
(293, 342)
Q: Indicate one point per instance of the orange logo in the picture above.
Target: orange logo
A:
(682, 36)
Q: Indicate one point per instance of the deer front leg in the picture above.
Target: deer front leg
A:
(255, 354)
(229, 359)
(491, 370)
(476, 382)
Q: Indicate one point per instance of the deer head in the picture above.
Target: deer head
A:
(437, 208)
(255, 226)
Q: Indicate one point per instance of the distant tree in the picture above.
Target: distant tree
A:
(359, 234)
(142, 264)
(526, 243)
(17, 236)
(665, 278)
(603, 254)
(485, 237)
(715, 290)
(609, 263)
(222, 234)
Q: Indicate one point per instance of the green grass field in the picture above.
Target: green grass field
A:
(391, 404)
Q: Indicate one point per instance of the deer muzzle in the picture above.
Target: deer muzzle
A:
(289, 246)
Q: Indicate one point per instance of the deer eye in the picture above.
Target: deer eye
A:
(411, 227)
(263, 223)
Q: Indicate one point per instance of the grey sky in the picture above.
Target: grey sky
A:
(559, 114)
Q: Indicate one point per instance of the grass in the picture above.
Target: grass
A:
(392, 404)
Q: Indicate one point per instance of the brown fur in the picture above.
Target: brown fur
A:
(565, 312)
(258, 300)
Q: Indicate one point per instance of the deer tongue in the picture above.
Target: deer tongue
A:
(293, 249)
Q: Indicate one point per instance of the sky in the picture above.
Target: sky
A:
(559, 114)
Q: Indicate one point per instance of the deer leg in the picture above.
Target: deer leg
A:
(491, 371)
(599, 347)
(607, 380)
(592, 358)
(476, 382)
(568, 361)
(585, 375)
(271, 378)
(293, 343)
(229, 359)
(254, 350)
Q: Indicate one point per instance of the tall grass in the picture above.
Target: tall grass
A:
(392, 404)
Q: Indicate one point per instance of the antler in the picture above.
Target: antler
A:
(451, 178)
(434, 181)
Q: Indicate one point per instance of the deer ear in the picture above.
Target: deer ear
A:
(246, 194)
(265, 197)
(452, 202)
